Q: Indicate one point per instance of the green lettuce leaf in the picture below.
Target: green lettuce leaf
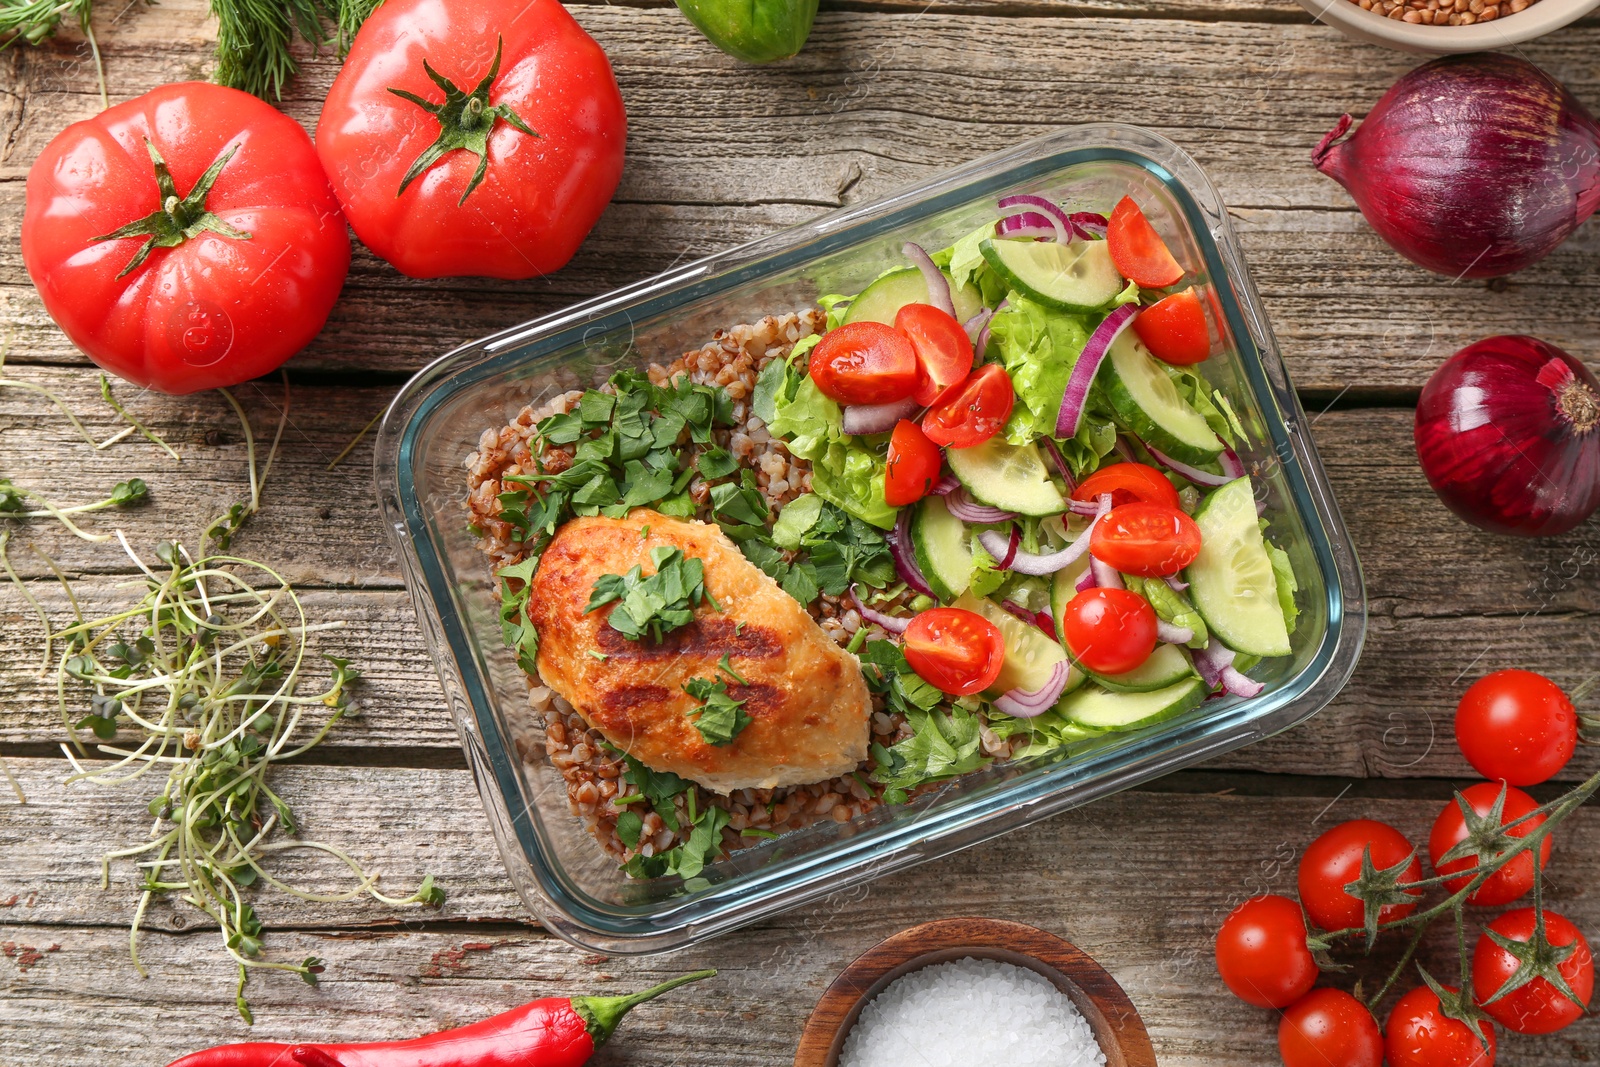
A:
(844, 470)
(1171, 606)
(1288, 585)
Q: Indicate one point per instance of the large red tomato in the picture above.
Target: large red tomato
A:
(479, 137)
(185, 239)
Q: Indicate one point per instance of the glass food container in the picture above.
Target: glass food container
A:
(434, 424)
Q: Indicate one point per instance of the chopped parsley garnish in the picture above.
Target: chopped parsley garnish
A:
(815, 547)
(656, 605)
(945, 741)
(661, 788)
(721, 717)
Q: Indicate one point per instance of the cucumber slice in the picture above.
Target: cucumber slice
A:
(942, 547)
(1073, 277)
(1167, 666)
(1031, 656)
(882, 300)
(1062, 589)
(1145, 399)
(1012, 477)
(1231, 581)
(1097, 709)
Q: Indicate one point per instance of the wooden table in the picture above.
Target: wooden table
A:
(887, 92)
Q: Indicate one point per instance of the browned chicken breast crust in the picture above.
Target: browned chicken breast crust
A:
(806, 697)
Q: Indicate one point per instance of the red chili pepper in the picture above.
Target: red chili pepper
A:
(553, 1032)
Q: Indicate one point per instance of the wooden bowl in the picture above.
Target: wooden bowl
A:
(1110, 1013)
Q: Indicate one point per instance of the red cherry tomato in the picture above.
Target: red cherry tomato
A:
(261, 250)
(1150, 540)
(1517, 727)
(1420, 1034)
(914, 463)
(944, 351)
(954, 650)
(1137, 250)
(1333, 861)
(1174, 329)
(1262, 954)
(515, 205)
(1127, 482)
(1110, 631)
(974, 412)
(1329, 1028)
(1510, 881)
(864, 363)
(1538, 1007)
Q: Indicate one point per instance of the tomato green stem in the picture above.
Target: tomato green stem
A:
(178, 218)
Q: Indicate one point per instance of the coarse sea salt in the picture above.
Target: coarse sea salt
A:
(971, 1013)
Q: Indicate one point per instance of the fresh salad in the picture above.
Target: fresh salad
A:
(1077, 544)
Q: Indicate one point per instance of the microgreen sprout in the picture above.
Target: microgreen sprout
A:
(208, 673)
(134, 425)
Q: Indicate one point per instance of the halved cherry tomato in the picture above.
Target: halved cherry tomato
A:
(1110, 631)
(1174, 329)
(1150, 540)
(864, 363)
(944, 351)
(954, 650)
(1127, 482)
(974, 412)
(914, 463)
(1137, 250)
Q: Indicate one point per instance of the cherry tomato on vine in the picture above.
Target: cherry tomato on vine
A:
(1149, 540)
(954, 650)
(1262, 954)
(864, 363)
(913, 466)
(1137, 250)
(1537, 1007)
(1174, 329)
(974, 412)
(502, 173)
(1333, 861)
(944, 351)
(1329, 1028)
(1516, 727)
(1109, 631)
(1420, 1034)
(1128, 482)
(186, 239)
(1510, 881)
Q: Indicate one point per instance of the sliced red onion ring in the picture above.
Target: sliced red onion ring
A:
(1176, 584)
(1018, 610)
(888, 622)
(1083, 507)
(1052, 210)
(978, 326)
(1215, 664)
(946, 485)
(1004, 561)
(1033, 224)
(1089, 223)
(1025, 704)
(1083, 372)
(1173, 635)
(1123, 450)
(905, 560)
(1034, 563)
(876, 418)
(1239, 684)
(1105, 575)
(938, 284)
(1061, 463)
(1087, 582)
(1231, 464)
(962, 506)
(1194, 474)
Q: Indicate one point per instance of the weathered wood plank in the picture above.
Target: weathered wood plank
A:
(722, 153)
(1123, 879)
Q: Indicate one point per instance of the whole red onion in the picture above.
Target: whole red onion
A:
(1472, 166)
(1508, 432)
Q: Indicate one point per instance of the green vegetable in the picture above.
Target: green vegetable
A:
(660, 788)
(1288, 584)
(1039, 348)
(845, 470)
(986, 578)
(797, 517)
(756, 31)
(656, 605)
(721, 717)
(254, 38)
(1171, 606)
(942, 745)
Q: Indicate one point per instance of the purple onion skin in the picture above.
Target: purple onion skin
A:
(1472, 166)
(1508, 434)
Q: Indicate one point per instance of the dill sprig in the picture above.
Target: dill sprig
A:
(254, 38)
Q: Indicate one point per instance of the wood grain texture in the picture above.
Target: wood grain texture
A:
(1117, 1027)
(721, 153)
(1139, 881)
